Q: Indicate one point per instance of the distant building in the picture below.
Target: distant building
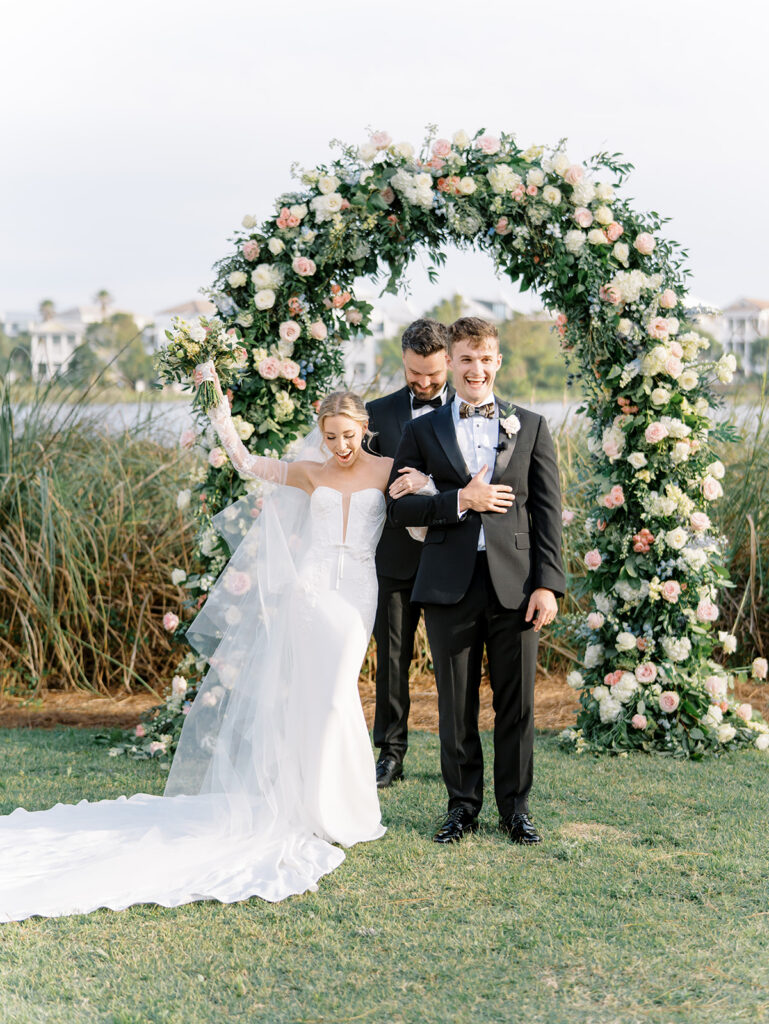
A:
(497, 310)
(744, 322)
(154, 332)
(390, 315)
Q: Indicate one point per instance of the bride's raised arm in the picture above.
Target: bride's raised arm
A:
(275, 471)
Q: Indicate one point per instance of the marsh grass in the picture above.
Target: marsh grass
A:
(646, 904)
(89, 533)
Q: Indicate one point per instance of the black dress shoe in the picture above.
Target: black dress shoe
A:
(457, 824)
(388, 769)
(519, 829)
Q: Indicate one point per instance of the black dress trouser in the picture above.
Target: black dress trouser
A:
(457, 634)
(394, 628)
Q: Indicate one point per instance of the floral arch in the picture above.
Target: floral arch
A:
(648, 677)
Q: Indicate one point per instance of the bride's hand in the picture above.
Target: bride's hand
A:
(207, 371)
(409, 482)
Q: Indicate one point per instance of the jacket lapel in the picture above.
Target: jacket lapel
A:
(504, 456)
(403, 409)
(443, 425)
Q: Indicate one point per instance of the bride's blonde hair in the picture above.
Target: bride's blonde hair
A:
(345, 403)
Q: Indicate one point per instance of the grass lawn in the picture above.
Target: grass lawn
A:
(648, 901)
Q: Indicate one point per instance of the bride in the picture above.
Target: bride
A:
(274, 765)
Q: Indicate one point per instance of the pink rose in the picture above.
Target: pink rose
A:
(595, 620)
(744, 711)
(638, 721)
(574, 174)
(170, 621)
(612, 678)
(655, 433)
(617, 496)
(441, 148)
(353, 316)
(583, 217)
(269, 368)
(250, 250)
(488, 144)
(611, 450)
(593, 559)
(502, 227)
(673, 367)
(668, 299)
(318, 330)
(707, 611)
(567, 516)
(240, 355)
(669, 701)
(676, 349)
(289, 330)
(608, 293)
(613, 231)
(671, 591)
(299, 383)
(237, 583)
(380, 140)
(711, 488)
(646, 672)
(140, 731)
(531, 190)
(289, 369)
(217, 457)
(658, 327)
(716, 687)
(644, 243)
(699, 521)
(156, 747)
(303, 266)
(187, 438)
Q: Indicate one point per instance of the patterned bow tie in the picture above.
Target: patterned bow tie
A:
(466, 410)
(420, 403)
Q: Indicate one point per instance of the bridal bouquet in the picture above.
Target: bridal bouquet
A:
(199, 342)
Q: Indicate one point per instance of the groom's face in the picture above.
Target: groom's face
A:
(474, 364)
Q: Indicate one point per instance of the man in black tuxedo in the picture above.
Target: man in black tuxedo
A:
(489, 573)
(424, 346)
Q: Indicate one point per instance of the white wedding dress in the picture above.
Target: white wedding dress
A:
(274, 766)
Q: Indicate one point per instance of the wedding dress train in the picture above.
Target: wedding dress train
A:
(274, 764)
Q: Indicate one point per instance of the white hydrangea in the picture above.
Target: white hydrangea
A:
(603, 602)
(624, 642)
(574, 240)
(695, 558)
(583, 193)
(625, 688)
(593, 655)
(267, 276)
(575, 680)
(503, 179)
(677, 648)
(609, 709)
(631, 594)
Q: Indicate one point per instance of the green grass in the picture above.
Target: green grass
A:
(661, 916)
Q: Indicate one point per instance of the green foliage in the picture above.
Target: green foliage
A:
(645, 904)
(447, 310)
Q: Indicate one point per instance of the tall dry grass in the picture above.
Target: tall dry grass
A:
(89, 533)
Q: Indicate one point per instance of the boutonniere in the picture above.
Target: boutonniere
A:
(510, 424)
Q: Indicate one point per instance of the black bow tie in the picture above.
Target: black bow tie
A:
(466, 410)
(420, 403)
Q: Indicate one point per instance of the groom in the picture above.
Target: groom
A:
(489, 574)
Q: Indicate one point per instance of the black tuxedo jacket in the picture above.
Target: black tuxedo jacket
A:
(397, 554)
(523, 544)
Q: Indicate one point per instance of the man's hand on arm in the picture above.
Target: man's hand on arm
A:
(482, 497)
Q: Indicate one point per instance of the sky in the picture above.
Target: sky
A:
(136, 136)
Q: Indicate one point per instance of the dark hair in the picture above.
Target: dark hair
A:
(425, 337)
(473, 329)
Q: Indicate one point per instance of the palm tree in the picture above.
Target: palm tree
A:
(47, 309)
(104, 300)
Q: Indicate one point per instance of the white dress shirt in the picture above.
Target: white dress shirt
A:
(478, 438)
(424, 409)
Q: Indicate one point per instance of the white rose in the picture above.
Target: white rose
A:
(265, 276)
(609, 710)
(593, 655)
(178, 576)
(264, 299)
(597, 237)
(625, 642)
(535, 177)
(726, 733)
(461, 139)
(728, 641)
(716, 469)
(574, 240)
(575, 680)
(328, 183)
(637, 460)
(625, 327)
(676, 538)
(604, 215)
(249, 221)
(621, 252)
(237, 279)
(467, 186)
(688, 380)
(183, 499)
(604, 191)
(680, 453)
(761, 741)
(660, 397)
(560, 163)
(276, 246)
(367, 152)
(551, 195)
(404, 149)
